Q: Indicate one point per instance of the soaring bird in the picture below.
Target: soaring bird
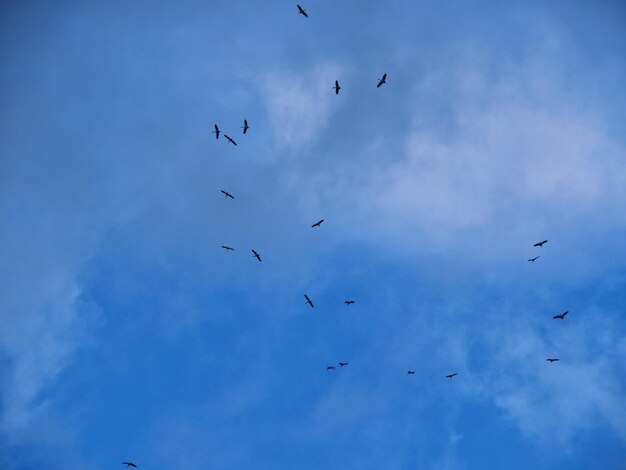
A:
(230, 140)
(348, 302)
(534, 259)
(382, 81)
(410, 372)
(216, 132)
(342, 364)
(318, 223)
(302, 11)
(552, 359)
(308, 301)
(129, 464)
(540, 244)
(227, 194)
(228, 248)
(337, 87)
(256, 255)
(245, 126)
(562, 315)
(451, 375)
(330, 367)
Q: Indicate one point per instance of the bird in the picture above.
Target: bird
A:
(129, 464)
(540, 244)
(382, 81)
(245, 126)
(534, 259)
(562, 315)
(552, 359)
(337, 87)
(348, 302)
(230, 140)
(451, 375)
(228, 248)
(410, 372)
(302, 11)
(216, 132)
(342, 364)
(256, 255)
(308, 301)
(330, 367)
(227, 194)
(318, 223)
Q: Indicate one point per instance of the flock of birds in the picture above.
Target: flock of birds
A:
(381, 81)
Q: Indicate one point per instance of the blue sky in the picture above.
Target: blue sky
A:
(128, 334)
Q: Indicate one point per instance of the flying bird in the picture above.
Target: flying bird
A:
(227, 194)
(302, 11)
(534, 259)
(562, 315)
(228, 248)
(410, 372)
(256, 255)
(342, 364)
(216, 132)
(308, 301)
(348, 302)
(330, 367)
(317, 224)
(552, 359)
(540, 244)
(129, 464)
(337, 87)
(382, 81)
(245, 126)
(451, 375)
(230, 140)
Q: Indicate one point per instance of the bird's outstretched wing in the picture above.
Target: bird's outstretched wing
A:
(318, 223)
(308, 301)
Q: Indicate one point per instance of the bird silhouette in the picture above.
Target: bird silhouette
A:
(330, 367)
(302, 11)
(410, 372)
(534, 259)
(228, 248)
(451, 375)
(230, 140)
(337, 87)
(129, 464)
(256, 255)
(552, 359)
(342, 364)
(227, 194)
(245, 126)
(317, 224)
(216, 132)
(562, 315)
(308, 301)
(349, 302)
(382, 81)
(540, 244)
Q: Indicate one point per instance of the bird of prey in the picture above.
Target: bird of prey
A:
(410, 372)
(348, 302)
(342, 364)
(318, 223)
(337, 87)
(562, 315)
(330, 367)
(451, 375)
(129, 464)
(228, 248)
(227, 194)
(540, 244)
(552, 359)
(245, 126)
(308, 301)
(534, 259)
(382, 81)
(256, 255)
(230, 140)
(302, 11)
(216, 132)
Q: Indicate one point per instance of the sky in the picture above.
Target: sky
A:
(128, 333)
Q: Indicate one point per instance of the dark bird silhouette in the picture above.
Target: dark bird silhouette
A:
(245, 126)
(308, 301)
(256, 255)
(540, 244)
(129, 464)
(216, 132)
(302, 11)
(410, 372)
(230, 140)
(552, 359)
(227, 194)
(382, 81)
(534, 259)
(337, 87)
(228, 248)
(562, 315)
(317, 224)
(330, 367)
(342, 364)
(348, 302)
(451, 375)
